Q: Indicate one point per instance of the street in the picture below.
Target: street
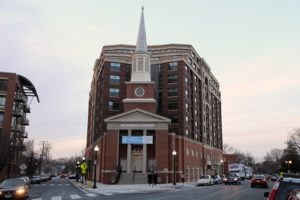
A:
(57, 189)
(60, 189)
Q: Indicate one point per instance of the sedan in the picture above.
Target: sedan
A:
(205, 180)
(13, 189)
(35, 179)
(259, 180)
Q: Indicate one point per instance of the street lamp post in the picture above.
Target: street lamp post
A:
(96, 149)
(222, 166)
(77, 170)
(82, 175)
(288, 162)
(174, 153)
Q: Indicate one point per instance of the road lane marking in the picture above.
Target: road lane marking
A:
(56, 198)
(67, 184)
(75, 196)
(60, 184)
(37, 199)
(108, 194)
(91, 195)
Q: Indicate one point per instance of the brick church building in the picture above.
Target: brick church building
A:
(147, 102)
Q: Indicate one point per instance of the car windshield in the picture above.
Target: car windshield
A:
(12, 183)
(204, 177)
(259, 177)
(285, 188)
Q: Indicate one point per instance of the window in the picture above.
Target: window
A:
(3, 85)
(187, 151)
(115, 67)
(187, 119)
(186, 81)
(2, 102)
(187, 132)
(186, 94)
(186, 69)
(113, 105)
(187, 107)
(172, 105)
(140, 64)
(173, 92)
(114, 79)
(172, 66)
(174, 119)
(172, 79)
(1, 118)
(114, 92)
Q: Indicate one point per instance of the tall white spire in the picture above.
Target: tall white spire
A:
(141, 65)
(141, 44)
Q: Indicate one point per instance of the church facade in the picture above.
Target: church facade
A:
(153, 108)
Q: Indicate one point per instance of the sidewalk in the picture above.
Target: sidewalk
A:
(127, 189)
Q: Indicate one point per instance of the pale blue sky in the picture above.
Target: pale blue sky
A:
(252, 48)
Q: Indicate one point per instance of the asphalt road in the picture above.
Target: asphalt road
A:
(58, 189)
(215, 192)
(62, 189)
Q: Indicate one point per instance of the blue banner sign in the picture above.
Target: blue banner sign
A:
(137, 139)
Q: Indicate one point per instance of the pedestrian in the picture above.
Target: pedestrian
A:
(182, 178)
(149, 177)
(155, 178)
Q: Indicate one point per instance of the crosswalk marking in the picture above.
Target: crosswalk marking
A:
(56, 198)
(91, 195)
(67, 184)
(37, 199)
(108, 194)
(75, 196)
(59, 184)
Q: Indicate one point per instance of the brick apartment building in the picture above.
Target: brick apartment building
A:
(147, 101)
(16, 93)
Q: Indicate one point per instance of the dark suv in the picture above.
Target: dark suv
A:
(284, 188)
(232, 179)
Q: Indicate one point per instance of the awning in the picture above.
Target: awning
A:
(28, 87)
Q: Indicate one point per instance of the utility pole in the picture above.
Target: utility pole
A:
(43, 143)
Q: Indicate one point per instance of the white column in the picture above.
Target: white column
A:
(145, 154)
(129, 154)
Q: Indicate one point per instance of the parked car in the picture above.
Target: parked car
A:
(26, 179)
(205, 180)
(232, 179)
(274, 177)
(72, 176)
(35, 179)
(284, 188)
(14, 189)
(217, 179)
(259, 180)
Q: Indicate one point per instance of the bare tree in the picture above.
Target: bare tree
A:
(227, 149)
(294, 137)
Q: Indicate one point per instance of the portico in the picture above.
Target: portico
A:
(137, 139)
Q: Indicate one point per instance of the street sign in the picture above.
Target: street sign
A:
(23, 167)
(83, 167)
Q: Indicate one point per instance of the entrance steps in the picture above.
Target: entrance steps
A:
(133, 178)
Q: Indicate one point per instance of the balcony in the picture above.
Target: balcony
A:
(20, 97)
(18, 112)
(23, 135)
(25, 122)
(16, 128)
(27, 109)
(22, 147)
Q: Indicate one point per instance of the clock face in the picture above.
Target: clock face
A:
(139, 91)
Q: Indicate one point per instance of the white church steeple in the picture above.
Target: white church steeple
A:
(140, 71)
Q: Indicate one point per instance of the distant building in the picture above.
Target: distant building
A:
(16, 92)
(147, 101)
